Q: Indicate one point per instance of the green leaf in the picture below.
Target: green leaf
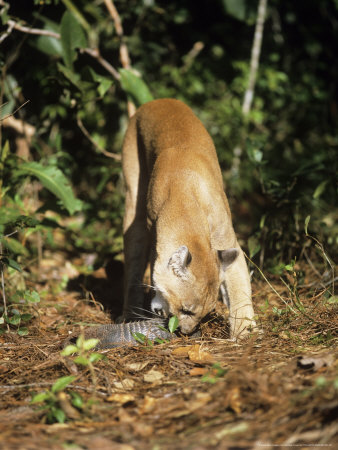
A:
(81, 360)
(320, 189)
(103, 82)
(59, 415)
(25, 317)
(70, 5)
(321, 381)
(95, 357)
(139, 337)
(173, 324)
(135, 87)
(49, 45)
(71, 76)
(253, 245)
(161, 341)
(11, 263)
(53, 179)
(69, 350)
(62, 383)
(90, 343)
(77, 400)
(23, 222)
(23, 331)
(31, 296)
(80, 341)
(104, 86)
(255, 155)
(306, 224)
(333, 300)
(236, 8)
(4, 151)
(41, 397)
(14, 320)
(72, 37)
(15, 246)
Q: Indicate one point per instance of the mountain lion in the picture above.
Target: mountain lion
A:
(178, 217)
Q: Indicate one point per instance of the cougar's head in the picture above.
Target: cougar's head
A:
(187, 284)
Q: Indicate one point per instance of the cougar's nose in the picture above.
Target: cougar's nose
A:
(159, 305)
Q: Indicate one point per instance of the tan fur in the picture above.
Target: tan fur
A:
(177, 215)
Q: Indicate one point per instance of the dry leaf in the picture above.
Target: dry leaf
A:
(57, 427)
(137, 366)
(196, 354)
(127, 383)
(143, 429)
(101, 443)
(284, 335)
(198, 371)
(66, 406)
(153, 376)
(121, 398)
(241, 427)
(234, 400)
(181, 351)
(201, 399)
(124, 416)
(148, 405)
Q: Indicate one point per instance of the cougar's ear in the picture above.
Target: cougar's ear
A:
(220, 228)
(227, 257)
(179, 260)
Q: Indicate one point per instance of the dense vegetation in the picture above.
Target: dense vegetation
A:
(199, 53)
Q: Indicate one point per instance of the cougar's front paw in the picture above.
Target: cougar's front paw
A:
(242, 328)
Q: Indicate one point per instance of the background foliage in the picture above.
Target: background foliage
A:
(279, 164)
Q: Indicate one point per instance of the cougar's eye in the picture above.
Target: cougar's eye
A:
(187, 312)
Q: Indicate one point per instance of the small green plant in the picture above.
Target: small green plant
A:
(215, 373)
(292, 285)
(15, 313)
(51, 400)
(55, 401)
(85, 357)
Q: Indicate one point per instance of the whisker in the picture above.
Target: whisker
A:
(144, 285)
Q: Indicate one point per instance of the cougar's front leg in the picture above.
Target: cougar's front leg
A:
(238, 298)
(136, 252)
(135, 232)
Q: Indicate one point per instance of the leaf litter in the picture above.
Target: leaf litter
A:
(276, 388)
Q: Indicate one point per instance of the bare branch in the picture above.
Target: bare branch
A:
(17, 109)
(29, 30)
(255, 53)
(7, 33)
(124, 54)
(97, 146)
(192, 55)
(94, 53)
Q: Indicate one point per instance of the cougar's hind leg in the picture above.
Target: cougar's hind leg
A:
(135, 232)
(238, 298)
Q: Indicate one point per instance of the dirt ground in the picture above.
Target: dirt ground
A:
(278, 388)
